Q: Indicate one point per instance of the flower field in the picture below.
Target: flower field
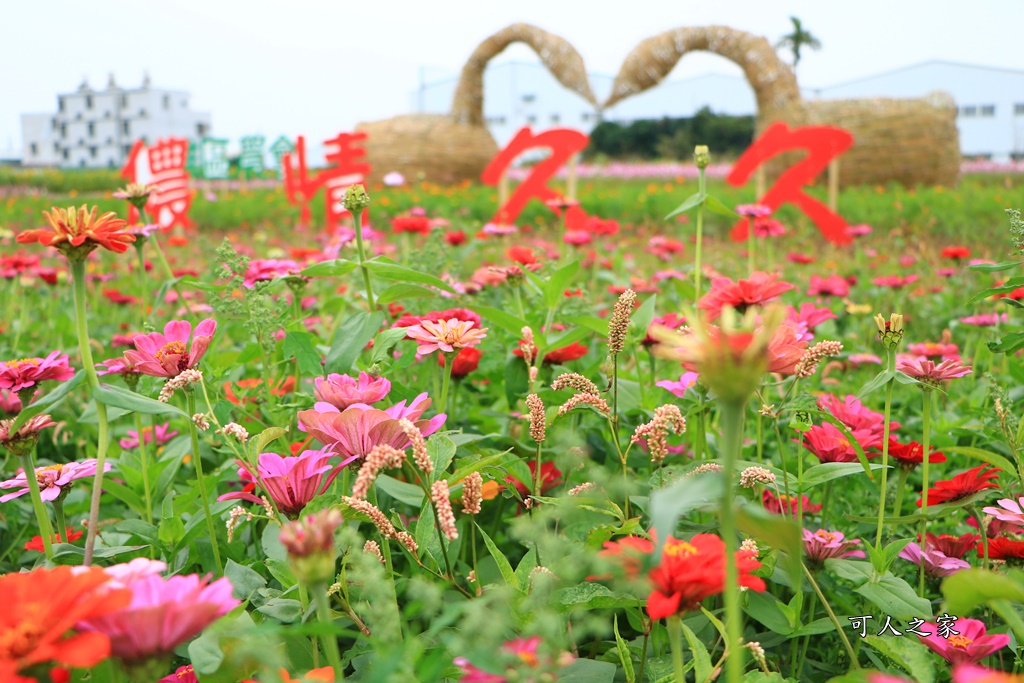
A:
(425, 447)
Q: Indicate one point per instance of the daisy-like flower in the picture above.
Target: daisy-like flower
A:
(76, 233)
(22, 441)
(963, 485)
(1003, 548)
(952, 546)
(782, 502)
(1009, 510)
(290, 481)
(831, 445)
(136, 194)
(53, 479)
(754, 210)
(821, 545)
(969, 673)
(68, 536)
(758, 289)
(261, 270)
(445, 335)
(926, 371)
(937, 564)
(169, 354)
(910, 455)
(968, 643)
(162, 433)
(341, 391)
(24, 373)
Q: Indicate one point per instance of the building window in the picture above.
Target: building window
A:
(65, 155)
(81, 142)
(88, 101)
(92, 152)
(142, 113)
(63, 129)
(127, 150)
(555, 118)
(968, 111)
(127, 131)
(92, 129)
(54, 124)
(200, 129)
(167, 101)
(124, 101)
(106, 114)
(1018, 109)
(33, 149)
(531, 119)
(1016, 156)
(60, 104)
(56, 147)
(496, 121)
(110, 141)
(585, 116)
(988, 110)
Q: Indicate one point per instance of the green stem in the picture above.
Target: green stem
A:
(449, 362)
(197, 458)
(168, 272)
(144, 465)
(926, 416)
(42, 518)
(732, 441)
(82, 325)
(675, 636)
(643, 653)
(142, 278)
(885, 455)
(361, 252)
(58, 515)
(330, 643)
(750, 245)
(700, 236)
(832, 617)
(901, 483)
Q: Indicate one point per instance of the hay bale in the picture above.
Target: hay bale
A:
(448, 149)
(431, 146)
(909, 141)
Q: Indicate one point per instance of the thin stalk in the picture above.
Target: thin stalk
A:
(832, 617)
(449, 362)
(807, 638)
(732, 440)
(675, 637)
(750, 245)
(42, 518)
(901, 483)
(304, 601)
(58, 515)
(361, 252)
(700, 236)
(142, 277)
(885, 454)
(926, 416)
(330, 643)
(82, 325)
(190, 397)
(168, 272)
(144, 465)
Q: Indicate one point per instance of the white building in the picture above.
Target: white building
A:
(990, 101)
(96, 128)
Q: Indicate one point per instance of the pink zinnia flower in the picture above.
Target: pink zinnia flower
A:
(810, 316)
(52, 479)
(186, 674)
(833, 285)
(260, 270)
(858, 230)
(936, 564)
(523, 649)
(759, 288)
(895, 281)
(116, 366)
(927, 371)
(341, 391)
(357, 429)
(446, 335)
(768, 227)
(858, 359)
(163, 614)
(498, 229)
(25, 438)
(969, 673)
(290, 481)
(821, 545)
(934, 350)
(985, 319)
(169, 354)
(678, 388)
(831, 445)
(163, 432)
(785, 349)
(1009, 510)
(28, 372)
(753, 210)
(857, 417)
(10, 402)
(971, 645)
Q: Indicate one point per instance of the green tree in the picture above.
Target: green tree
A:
(797, 40)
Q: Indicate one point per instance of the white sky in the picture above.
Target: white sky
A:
(317, 67)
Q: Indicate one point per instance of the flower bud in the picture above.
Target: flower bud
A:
(701, 156)
(356, 199)
(310, 545)
(890, 331)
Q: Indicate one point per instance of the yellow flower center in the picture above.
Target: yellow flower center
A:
(172, 348)
(680, 548)
(42, 471)
(528, 658)
(960, 642)
(22, 361)
(826, 536)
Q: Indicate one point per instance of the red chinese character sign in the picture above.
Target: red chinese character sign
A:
(822, 144)
(346, 168)
(563, 143)
(161, 165)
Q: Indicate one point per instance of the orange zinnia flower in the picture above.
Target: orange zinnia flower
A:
(43, 605)
(70, 228)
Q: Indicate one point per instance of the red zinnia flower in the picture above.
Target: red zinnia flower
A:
(956, 252)
(550, 477)
(963, 485)
(693, 570)
(522, 255)
(776, 504)
(758, 289)
(466, 361)
(910, 455)
(417, 224)
(573, 351)
(952, 546)
(628, 551)
(71, 228)
(69, 535)
(455, 238)
(1001, 548)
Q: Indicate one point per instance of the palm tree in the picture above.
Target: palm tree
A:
(798, 39)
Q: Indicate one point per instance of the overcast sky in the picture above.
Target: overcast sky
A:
(318, 67)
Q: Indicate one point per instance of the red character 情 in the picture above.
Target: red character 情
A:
(346, 168)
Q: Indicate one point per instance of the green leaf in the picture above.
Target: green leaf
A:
(554, 288)
(967, 590)
(120, 397)
(625, 656)
(995, 267)
(404, 290)
(688, 203)
(766, 609)
(503, 319)
(876, 382)
(908, 653)
(171, 532)
(504, 566)
(389, 270)
(285, 610)
(718, 207)
(598, 325)
(1010, 343)
(385, 341)
(642, 317)
(402, 491)
(776, 531)
(1005, 288)
(674, 501)
(442, 452)
(894, 596)
(330, 268)
(819, 474)
(299, 345)
(244, 580)
(350, 339)
(51, 401)
(257, 443)
(587, 671)
(591, 596)
(701, 658)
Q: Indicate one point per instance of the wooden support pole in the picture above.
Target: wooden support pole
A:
(833, 185)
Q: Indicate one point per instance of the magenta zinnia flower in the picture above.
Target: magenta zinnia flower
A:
(116, 366)
(821, 545)
(925, 370)
(290, 481)
(169, 354)
(28, 372)
(969, 646)
(857, 417)
(341, 391)
(1009, 510)
(53, 479)
(357, 429)
(679, 387)
(163, 614)
(164, 433)
(260, 270)
(831, 445)
(936, 563)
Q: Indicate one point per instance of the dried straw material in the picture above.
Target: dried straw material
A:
(908, 141)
